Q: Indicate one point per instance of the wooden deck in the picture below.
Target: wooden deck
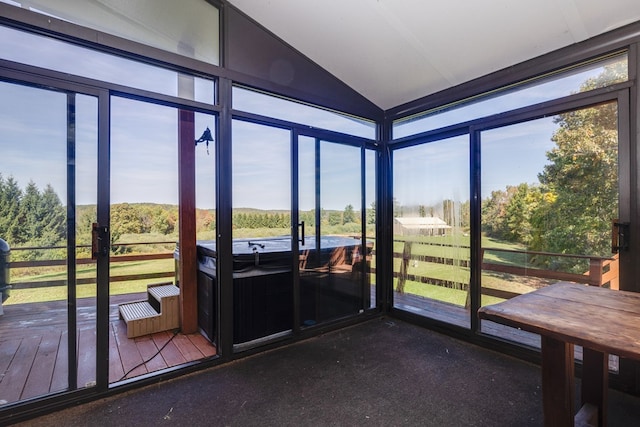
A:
(33, 348)
(460, 316)
(457, 315)
(33, 344)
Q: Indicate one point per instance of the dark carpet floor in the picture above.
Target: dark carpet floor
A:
(380, 373)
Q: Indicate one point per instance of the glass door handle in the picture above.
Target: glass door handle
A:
(620, 236)
(99, 235)
(302, 232)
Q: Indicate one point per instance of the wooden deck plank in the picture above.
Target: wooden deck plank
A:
(86, 357)
(8, 349)
(129, 353)
(60, 379)
(27, 350)
(16, 376)
(186, 347)
(39, 380)
(170, 353)
(116, 370)
(434, 309)
(204, 346)
(149, 352)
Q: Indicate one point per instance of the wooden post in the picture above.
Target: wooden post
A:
(613, 275)
(404, 266)
(595, 271)
(557, 382)
(595, 382)
(187, 222)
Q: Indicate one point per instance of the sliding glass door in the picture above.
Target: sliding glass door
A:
(334, 258)
(262, 234)
(48, 203)
(289, 275)
(431, 230)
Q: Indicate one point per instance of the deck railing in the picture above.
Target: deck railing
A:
(20, 283)
(602, 271)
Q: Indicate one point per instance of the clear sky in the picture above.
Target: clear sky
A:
(144, 140)
(144, 156)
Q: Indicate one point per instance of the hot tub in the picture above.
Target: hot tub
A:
(263, 284)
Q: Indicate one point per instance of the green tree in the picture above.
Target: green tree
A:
(10, 221)
(126, 219)
(583, 178)
(580, 184)
(494, 213)
(334, 218)
(28, 216)
(519, 211)
(85, 217)
(53, 216)
(349, 215)
(309, 218)
(371, 213)
(162, 223)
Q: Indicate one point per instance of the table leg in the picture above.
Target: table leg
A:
(557, 382)
(595, 381)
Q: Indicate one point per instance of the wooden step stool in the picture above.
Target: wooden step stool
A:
(160, 312)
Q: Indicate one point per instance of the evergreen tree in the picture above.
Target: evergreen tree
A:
(11, 222)
(30, 214)
(348, 215)
(52, 215)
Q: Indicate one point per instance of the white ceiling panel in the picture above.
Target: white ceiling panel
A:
(395, 51)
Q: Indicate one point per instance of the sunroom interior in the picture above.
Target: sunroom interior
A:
(257, 173)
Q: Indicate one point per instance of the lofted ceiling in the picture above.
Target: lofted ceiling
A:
(395, 51)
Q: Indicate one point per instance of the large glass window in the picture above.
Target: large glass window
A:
(549, 197)
(187, 27)
(431, 243)
(285, 109)
(45, 52)
(528, 93)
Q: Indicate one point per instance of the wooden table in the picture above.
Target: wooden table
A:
(600, 320)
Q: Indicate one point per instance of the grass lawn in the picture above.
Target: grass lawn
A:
(55, 293)
(457, 247)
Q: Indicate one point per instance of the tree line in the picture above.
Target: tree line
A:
(269, 219)
(34, 217)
